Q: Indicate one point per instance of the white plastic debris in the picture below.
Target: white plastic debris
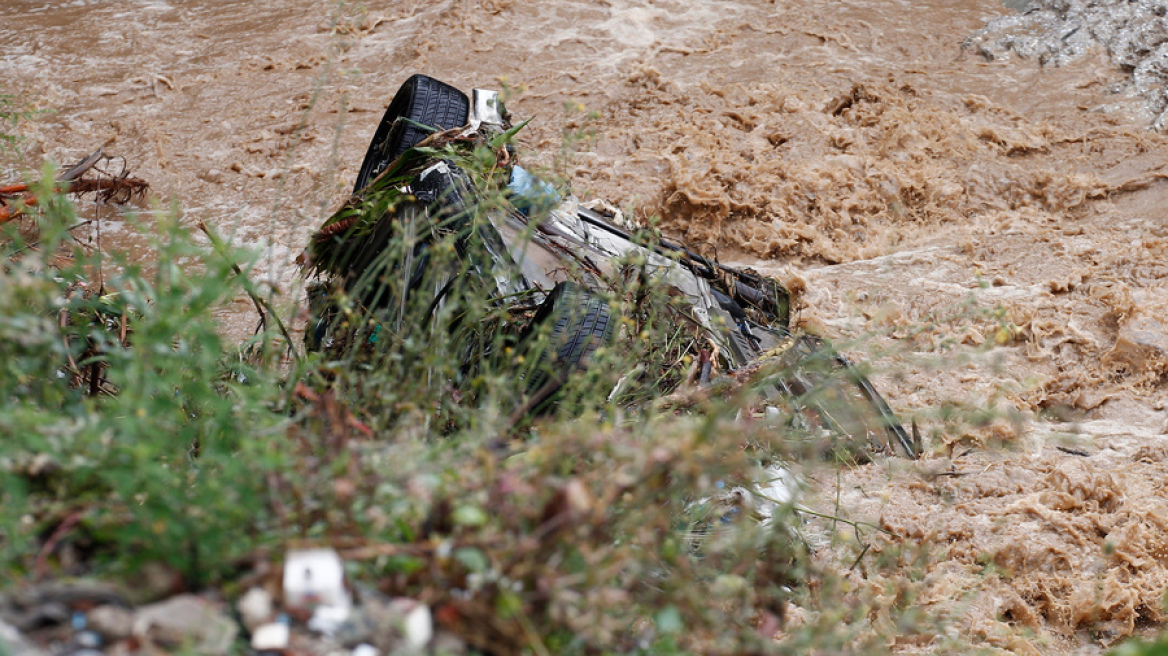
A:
(780, 485)
(365, 649)
(618, 217)
(328, 619)
(314, 578)
(776, 488)
(271, 637)
(417, 624)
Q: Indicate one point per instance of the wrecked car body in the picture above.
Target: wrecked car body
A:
(556, 256)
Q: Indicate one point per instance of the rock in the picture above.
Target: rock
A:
(111, 622)
(255, 608)
(447, 644)
(46, 613)
(357, 629)
(271, 637)
(14, 644)
(71, 593)
(388, 624)
(1142, 342)
(153, 582)
(186, 619)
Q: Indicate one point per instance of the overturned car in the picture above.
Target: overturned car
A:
(441, 206)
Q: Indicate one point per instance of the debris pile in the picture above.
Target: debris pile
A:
(305, 608)
(92, 175)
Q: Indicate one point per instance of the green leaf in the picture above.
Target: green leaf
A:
(669, 620)
(506, 137)
(470, 516)
(507, 604)
(472, 559)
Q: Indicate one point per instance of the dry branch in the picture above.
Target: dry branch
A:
(85, 177)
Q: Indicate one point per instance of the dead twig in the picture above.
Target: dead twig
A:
(260, 303)
(555, 382)
(108, 187)
(116, 190)
(861, 556)
(50, 545)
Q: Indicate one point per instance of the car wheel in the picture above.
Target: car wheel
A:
(578, 322)
(420, 107)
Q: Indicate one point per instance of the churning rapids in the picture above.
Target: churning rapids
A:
(990, 225)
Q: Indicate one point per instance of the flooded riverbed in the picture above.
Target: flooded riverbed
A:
(991, 229)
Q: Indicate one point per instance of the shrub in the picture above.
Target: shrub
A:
(123, 408)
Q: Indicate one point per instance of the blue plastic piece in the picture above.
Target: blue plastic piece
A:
(530, 194)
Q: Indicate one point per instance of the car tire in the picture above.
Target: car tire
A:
(421, 101)
(579, 322)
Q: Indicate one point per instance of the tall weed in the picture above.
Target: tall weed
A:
(121, 404)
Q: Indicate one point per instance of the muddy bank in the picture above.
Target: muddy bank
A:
(990, 229)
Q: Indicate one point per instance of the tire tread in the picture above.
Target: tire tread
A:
(581, 323)
(421, 99)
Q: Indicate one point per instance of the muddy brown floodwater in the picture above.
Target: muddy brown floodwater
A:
(993, 231)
